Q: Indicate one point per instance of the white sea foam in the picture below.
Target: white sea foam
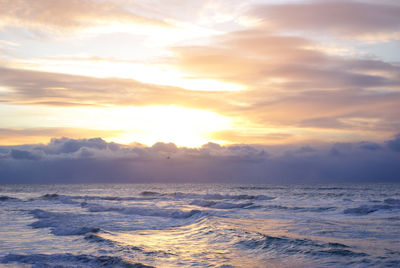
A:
(63, 224)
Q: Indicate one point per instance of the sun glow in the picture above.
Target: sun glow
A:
(146, 125)
(151, 65)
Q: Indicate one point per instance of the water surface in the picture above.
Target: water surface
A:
(200, 225)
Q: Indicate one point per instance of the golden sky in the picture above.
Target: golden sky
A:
(191, 72)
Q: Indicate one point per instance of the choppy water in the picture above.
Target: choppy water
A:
(200, 225)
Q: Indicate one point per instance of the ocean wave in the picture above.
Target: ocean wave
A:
(72, 198)
(362, 210)
(99, 239)
(203, 203)
(62, 224)
(388, 204)
(179, 195)
(50, 196)
(70, 260)
(248, 205)
(70, 224)
(329, 188)
(300, 209)
(289, 246)
(323, 188)
(8, 198)
(392, 201)
(258, 188)
(65, 199)
(113, 198)
(143, 211)
(93, 237)
(149, 195)
(220, 205)
(224, 205)
(96, 238)
(339, 253)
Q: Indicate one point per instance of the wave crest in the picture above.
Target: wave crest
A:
(143, 211)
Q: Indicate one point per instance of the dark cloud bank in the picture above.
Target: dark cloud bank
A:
(94, 160)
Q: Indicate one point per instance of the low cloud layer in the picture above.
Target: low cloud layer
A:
(94, 160)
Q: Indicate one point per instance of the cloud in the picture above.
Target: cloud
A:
(341, 109)
(371, 146)
(10, 136)
(165, 147)
(344, 18)
(303, 89)
(258, 58)
(290, 83)
(22, 154)
(258, 137)
(305, 150)
(61, 16)
(394, 144)
(54, 89)
(94, 160)
(293, 91)
(66, 146)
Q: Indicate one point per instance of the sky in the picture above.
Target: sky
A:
(189, 90)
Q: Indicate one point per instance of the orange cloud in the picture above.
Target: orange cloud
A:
(35, 87)
(257, 58)
(61, 16)
(292, 85)
(289, 85)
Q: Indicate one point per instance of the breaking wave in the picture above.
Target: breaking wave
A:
(89, 197)
(220, 205)
(285, 245)
(63, 224)
(143, 211)
(388, 204)
(180, 195)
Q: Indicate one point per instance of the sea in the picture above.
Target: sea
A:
(200, 225)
